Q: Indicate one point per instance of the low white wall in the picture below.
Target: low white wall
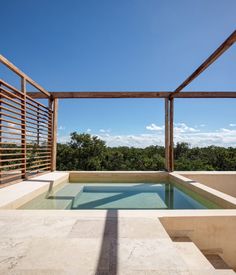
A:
(222, 181)
(117, 176)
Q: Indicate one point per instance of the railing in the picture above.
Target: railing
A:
(26, 130)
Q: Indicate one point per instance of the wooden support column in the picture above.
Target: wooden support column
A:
(54, 134)
(171, 125)
(0, 132)
(23, 128)
(167, 135)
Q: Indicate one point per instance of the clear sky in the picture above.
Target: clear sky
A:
(127, 45)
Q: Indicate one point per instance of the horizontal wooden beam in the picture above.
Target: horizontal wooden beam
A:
(12, 67)
(199, 94)
(217, 53)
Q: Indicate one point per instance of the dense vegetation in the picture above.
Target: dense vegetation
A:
(86, 152)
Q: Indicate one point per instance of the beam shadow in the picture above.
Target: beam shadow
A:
(108, 256)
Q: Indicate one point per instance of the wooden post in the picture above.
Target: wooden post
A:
(54, 134)
(171, 125)
(38, 126)
(23, 128)
(167, 135)
(0, 132)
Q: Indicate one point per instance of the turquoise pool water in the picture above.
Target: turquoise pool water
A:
(120, 196)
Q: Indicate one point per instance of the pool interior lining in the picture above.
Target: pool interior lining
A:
(162, 195)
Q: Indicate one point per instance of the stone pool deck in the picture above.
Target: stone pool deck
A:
(187, 242)
(96, 242)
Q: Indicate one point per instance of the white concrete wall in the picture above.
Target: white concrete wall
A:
(222, 181)
(117, 176)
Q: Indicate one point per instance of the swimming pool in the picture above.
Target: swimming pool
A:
(162, 195)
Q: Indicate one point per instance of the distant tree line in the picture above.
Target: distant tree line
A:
(87, 152)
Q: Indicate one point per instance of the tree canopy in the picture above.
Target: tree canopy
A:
(87, 152)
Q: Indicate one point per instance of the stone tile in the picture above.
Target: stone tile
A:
(148, 255)
(12, 251)
(142, 228)
(119, 227)
(66, 254)
(36, 227)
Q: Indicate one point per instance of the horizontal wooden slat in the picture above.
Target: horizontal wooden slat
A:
(11, 105)
(7, 160)
(13, 143)
(35, 113)
(38, 161)
(39, 133)
(10, 133)
(10, 110)
(12, 122)
(45, 149)
(14, 117)
(39, 121)
(42, 113)
(3, 83)
(11, 177)
(45, 130)
(10, 93)
(10, 149)
(10, 171)
(11, 165)
(34, 123)
(40, 157)
(9, 127)
(12, 138)
(11, 99)
(9, 155)
(30, 99)
(41, 165)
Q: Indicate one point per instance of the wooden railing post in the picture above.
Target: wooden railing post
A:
(54, 133)
(171, 125)
(167, 135)
(23, 128)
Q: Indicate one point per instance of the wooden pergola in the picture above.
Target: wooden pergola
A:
(34, 117)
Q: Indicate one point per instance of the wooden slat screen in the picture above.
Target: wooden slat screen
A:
(25, 134)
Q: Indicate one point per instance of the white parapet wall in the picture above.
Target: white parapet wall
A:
(222, 181)
(117, 176)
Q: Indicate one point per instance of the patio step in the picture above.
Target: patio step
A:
(196, 259)
(192, 256)
(217, 261)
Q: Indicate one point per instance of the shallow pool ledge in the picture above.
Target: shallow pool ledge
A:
(13, 196)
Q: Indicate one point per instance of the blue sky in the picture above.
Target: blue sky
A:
(135, 45)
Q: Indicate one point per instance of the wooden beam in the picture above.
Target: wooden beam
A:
(171, 148)
(23, 127)
(198, 94)
(167, 135)
(16, 70)
(54, 134)
(95, 94)
(216, 54)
